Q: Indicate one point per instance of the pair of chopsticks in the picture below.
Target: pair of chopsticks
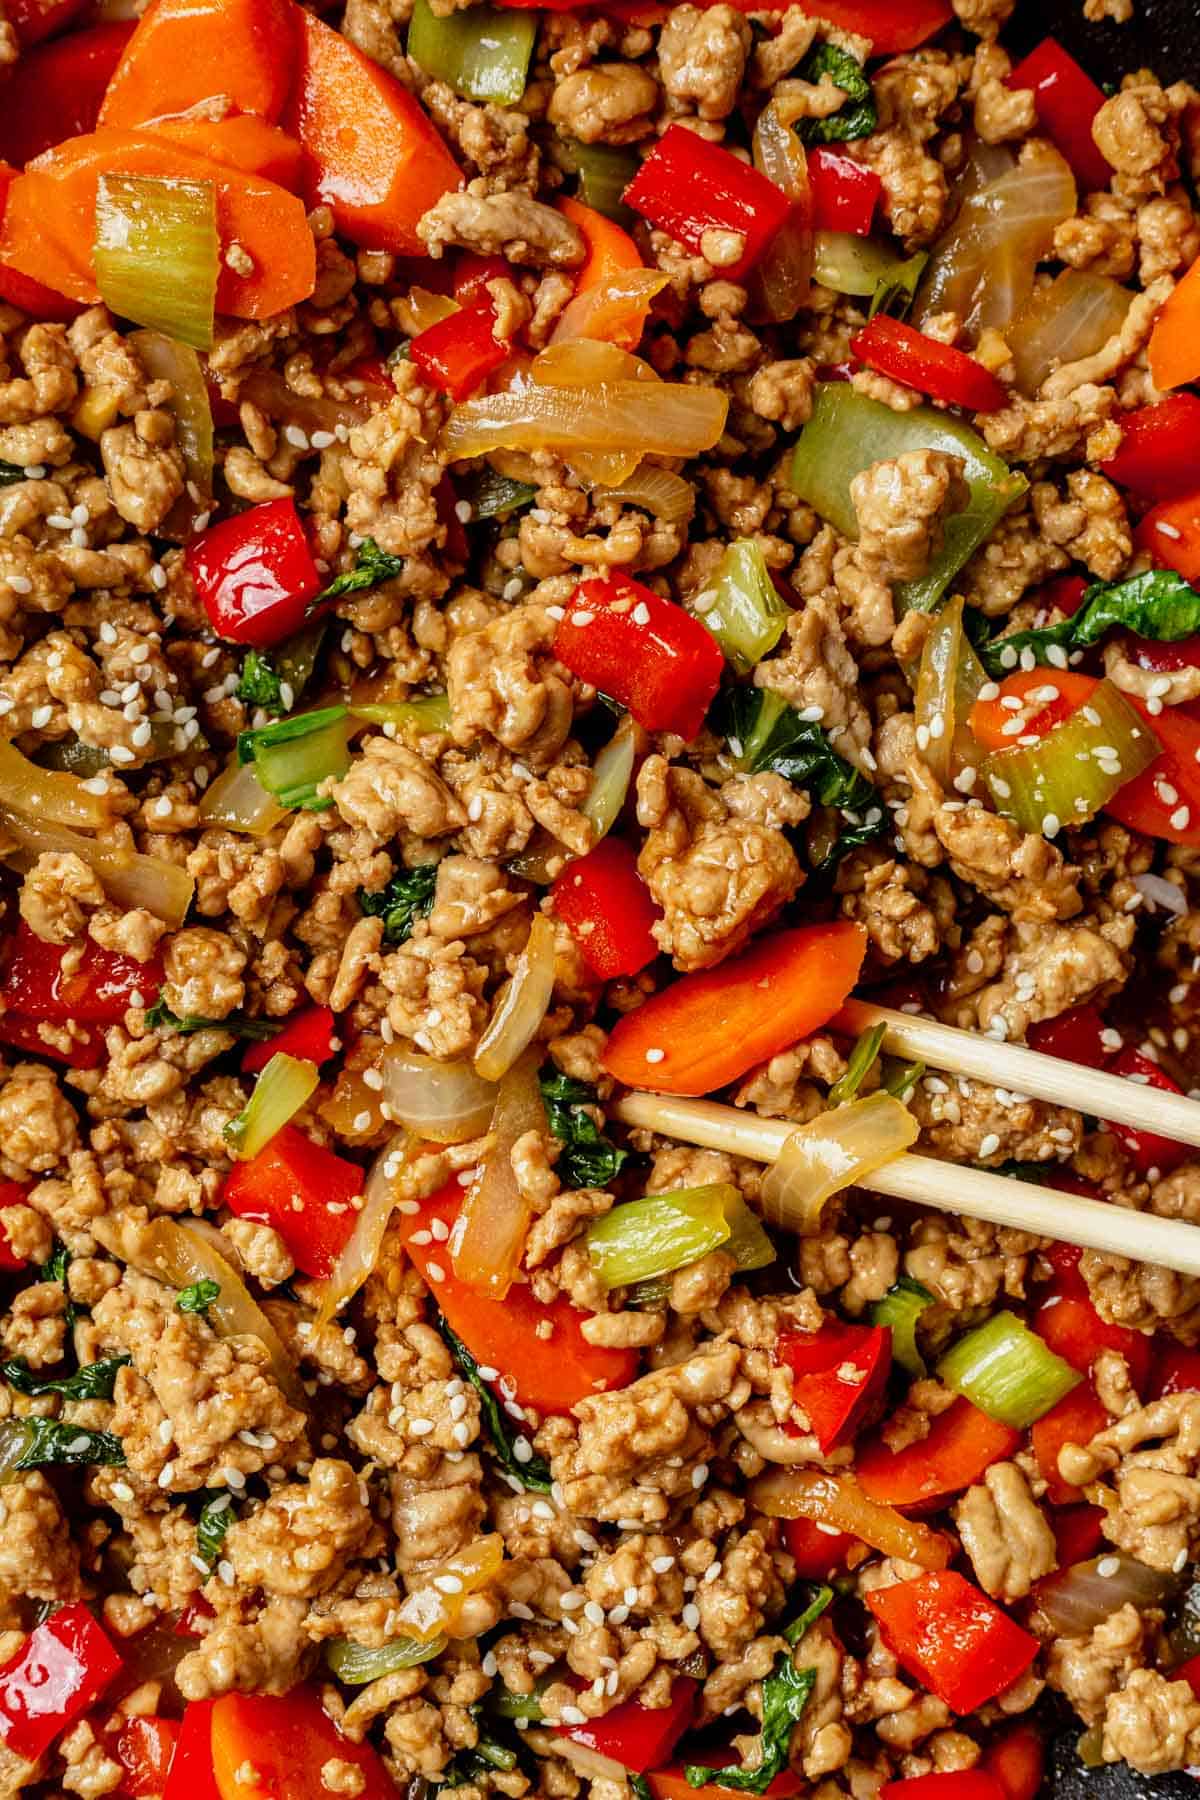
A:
(952, 1187)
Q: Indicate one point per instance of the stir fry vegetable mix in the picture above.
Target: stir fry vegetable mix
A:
(506, 1390)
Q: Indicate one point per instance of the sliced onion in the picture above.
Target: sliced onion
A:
(431, 1612)
(168, 360)
(178, 1254)
(446, 1102)
(1072, 317)
(127, 877)
(780, 281)
(612, 772)
(423, 309)
(238, 800)
(521, 1005)
(937, 689)
(268, 390)
(584, 361)
(614, 311)
(832, 1152)
(658, 491)
(1074, 1601)
(362, 1248)
(52, 798)
(838, 1501)
(635, 418)
(488, 1240)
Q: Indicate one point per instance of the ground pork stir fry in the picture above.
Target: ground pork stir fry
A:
(540, 550)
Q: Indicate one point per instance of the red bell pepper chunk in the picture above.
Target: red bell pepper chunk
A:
(56, 89)
(274, 1747)
(1063, 596)
(639, 1737)
(844, 193)
(905, 354)
(945, 1784)
(255, 574)
(1067, 102)
(61, 1670)
(659, 662)
(952, 1637)
(673, 1784)
(1160, 443)
(1162, 658)
(607, 908)
(839, 1375)
(1074, 1330)
(687, 187)
(33, 20)
(819, 1552)
(1176, 1371)
(1146, 1149)
(1077, 1533)
(146, 1747)
(11, 1194)
(1074, 1036)
(460, 351)
(1189, 1671)
(472, 273)
(1018, 1761)
(188, 1622)
(191, 1775)
(1170, 534)
(95, 988)
(1076, 1419)
(961, 1444)
(304, 1191)
(308, 1034)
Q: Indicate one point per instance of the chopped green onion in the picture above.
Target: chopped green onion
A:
(355, 1665)
(1006, 1370)
(482, 52)
(156, 254)
(507, 1705)
(1073, 772)
(663, 1232)
(861, 1057)
(748, 616)
(285, 1085)
(900, 1078)
(848, 432)
(294, 756)
(604, 171)
(856, 265)
(429, 712)
(901, 1309)
(198, 1296)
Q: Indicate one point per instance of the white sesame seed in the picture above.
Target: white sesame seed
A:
(691, 1615)
(655, 1056)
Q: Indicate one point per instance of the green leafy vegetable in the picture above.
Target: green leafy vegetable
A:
(640, 1786)
(354, 1664)
(56, 1265)
(94, 1381)
(532, 1473)
(36, 1443)
(10, 474)
(785, 1694)
(746, 613)
(588, 1159)
(494, 496)
(198, 1296)
(216, 1516)
(1158, 604)
(292, 757)
(160, 1016)
(900, 1310)
(894, 291)
(407, 897)
(372, 566)
(487, 1755)
(258, 683)
(858, 118)
(861, 1057)
(900, 1078)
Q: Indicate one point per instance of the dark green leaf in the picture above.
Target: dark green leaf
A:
(641, 1787)
(785, 1694)
(894, 292)
(285, 731)
(822, 1598)
(56, 1266)
(1158, 604)
(487, 1754)
(858, 1063)
(858, 117)
(258, 683)
(532, 1473)
(159, 1016)
(216, 1516)
(765, 733)
(494, 496)
(94, 1381)
(49, 1441)
(198, 1296)
(10, 474)
(373, 566)
(587, 1159)
(407, 897)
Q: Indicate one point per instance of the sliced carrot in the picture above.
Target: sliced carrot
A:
(186, 52)
(1170, 532)
(31, 296)
(989, 717)
(1175, 340)
(709, 1028)
(613, 289)
(244, 143)
(372, 155)
(50, 221)
(274, 1747)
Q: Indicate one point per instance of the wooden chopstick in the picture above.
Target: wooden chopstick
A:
(947, 1187)
(1025, 1071)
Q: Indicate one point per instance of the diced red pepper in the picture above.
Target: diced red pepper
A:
(1160, 445)
(56, 983)
(1176, 1371)
(1146, 1149)
(1067, 102)
(1170, 534)
(839, 1375)
(905, 354)
(188, 1622)
(460, 351)
(1062, 597)
(945, 1784)
(673, 1784)
(472, 273)
(961, 1444)
(255, 574)
(1074, 1330)
(146, 1747)
(1161, 658)
(61, 1669)
(304, 1191)
(952, 1637)
(308, 1034)
(1077, 1533)
(1076, 1419)
(1188, 1671)
(1075, 1036)
(844, 193)
(11, 1194)
(607, 908)
(639, 1737)
(688, 186)
(1018, 1761)
(643, 651)
(55, 90)
(819, 1551)
(33, 20)
(191, 1776)
(274, 1747)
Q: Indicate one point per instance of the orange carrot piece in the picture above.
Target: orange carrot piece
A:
(50, 220)
(244, 143)
(186, 52)
(372, 155)
(1175, 340)
(613, 289)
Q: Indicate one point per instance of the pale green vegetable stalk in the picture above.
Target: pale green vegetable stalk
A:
(482, 52)
(284, 1086)
(1069, 775)
(354, 1664)
(654, 1236)
(1007, 1371)
(156, 254)
(901, 1309)
(748, 615)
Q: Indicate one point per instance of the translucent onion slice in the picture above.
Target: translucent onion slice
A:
(592, 1764)
(180, 1255)
(446, 1102)
(659, 419)
(521, 1005)
(488, 1240)
(54, 799)
(937, 690)
(127, 877)
(268, 390)
(285, 1085)
(1073, 317)
(238, 800)
(361, 1253)
(1074, 1601)
(354, 1664)
(780, 282)
(838, 1501)
(616, 309)
(657, 491)
(156, 254)
(584, 361)
(612, 772)
(429, 1611)
(168, 360)
(833, 1152)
